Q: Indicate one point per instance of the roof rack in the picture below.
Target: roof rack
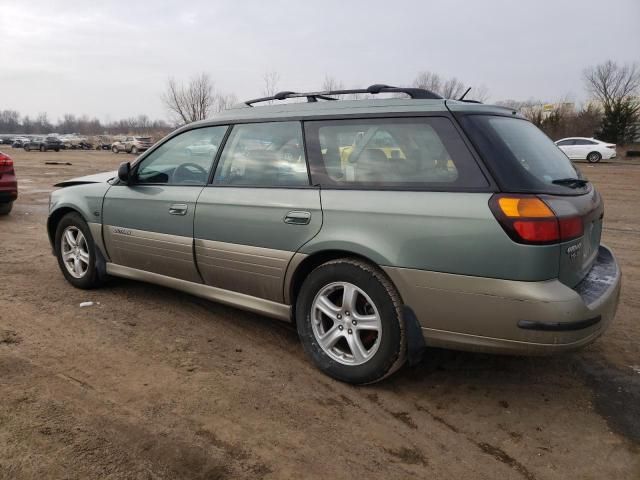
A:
(326, 95)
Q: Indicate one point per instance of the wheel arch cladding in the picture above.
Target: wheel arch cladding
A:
(54, 220)
(316, 259)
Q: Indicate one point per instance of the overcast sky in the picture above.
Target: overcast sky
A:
(111, 59)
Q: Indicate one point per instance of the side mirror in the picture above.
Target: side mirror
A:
(124, 171)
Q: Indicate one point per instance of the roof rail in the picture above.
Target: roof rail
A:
(326, 95)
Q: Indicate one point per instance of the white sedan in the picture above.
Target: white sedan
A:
(590, 149)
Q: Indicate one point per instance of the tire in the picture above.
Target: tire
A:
(114, 149)
(27, 149)
(594, 157)
(57, 149)
(382, 351)
(5, 208)
(43, 148)
(90, 276)
(134, 150)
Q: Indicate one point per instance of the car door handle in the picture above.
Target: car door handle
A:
(297, 217)
(178, 209)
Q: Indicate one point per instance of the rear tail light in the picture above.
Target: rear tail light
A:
(5, 160)
(611, 146)
(527, 219)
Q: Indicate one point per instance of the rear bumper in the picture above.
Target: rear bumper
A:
(8, 188)
(514, 317)
(6, 196)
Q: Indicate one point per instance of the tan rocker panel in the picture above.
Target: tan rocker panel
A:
(250, 270)
(170, 255)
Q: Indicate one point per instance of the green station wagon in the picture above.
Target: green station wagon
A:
(377, 226)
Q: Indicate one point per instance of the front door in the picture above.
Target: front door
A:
(258, 212)
(148, 224)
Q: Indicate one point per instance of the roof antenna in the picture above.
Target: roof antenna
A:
(464, 94)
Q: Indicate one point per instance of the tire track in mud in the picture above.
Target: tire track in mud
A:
(485, 447)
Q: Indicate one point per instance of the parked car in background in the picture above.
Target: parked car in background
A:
(590, 149)
(375, 226)
(133, 145)
(203, 147)
(101, 142)
(8, 184)
(18, 142)
(43, 144)
(6, 140)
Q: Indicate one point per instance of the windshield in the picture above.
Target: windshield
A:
(521, 156)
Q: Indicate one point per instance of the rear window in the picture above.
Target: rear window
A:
(521, 156)
(422, 152)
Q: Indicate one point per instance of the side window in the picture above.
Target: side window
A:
(263, 154)
(565, 143)
(183, 160)
(388, 153)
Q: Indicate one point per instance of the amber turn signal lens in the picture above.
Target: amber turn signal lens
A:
(530, 207)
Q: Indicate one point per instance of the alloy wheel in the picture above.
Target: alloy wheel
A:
(346, 323)
(75, 252)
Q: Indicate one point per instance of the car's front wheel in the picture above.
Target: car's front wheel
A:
(5, 208)
(77, 253)
(594, 157)
(114, 149)
(349, 321)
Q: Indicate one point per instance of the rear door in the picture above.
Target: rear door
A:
(258, 211)
(567, 147)
(148, 224)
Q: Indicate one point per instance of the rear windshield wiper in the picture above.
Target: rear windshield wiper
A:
(571, 182)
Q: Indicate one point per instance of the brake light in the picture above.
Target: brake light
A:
(528, 219)
(5, 160)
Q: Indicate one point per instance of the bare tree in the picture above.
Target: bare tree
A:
(616, 88)
(224, 101)
(191, 102)
(428, 81)
(271, 81)
(479, 94)
(447, 87)
(452, 88)
(331, 83)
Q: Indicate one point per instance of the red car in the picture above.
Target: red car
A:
(8, 184)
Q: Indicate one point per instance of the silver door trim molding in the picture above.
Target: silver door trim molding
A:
(227, 297)
(253, 271)
(162, 253)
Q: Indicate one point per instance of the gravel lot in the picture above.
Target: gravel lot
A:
(150, 383)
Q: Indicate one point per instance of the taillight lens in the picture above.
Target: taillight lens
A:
(5, 160)
(528, 219)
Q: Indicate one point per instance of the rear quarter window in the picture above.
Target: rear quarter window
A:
(391, 153)
(520, 156)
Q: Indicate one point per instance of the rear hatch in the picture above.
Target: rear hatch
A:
(578, 256)
(524, 161)
(144, 141)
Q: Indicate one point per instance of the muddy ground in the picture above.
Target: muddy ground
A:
(155, 384)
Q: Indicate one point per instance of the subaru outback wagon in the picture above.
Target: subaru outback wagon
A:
(377, 226)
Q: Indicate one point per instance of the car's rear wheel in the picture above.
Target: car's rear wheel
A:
(27, 149)
(349, 321)
(76, 252)
(5, 208)
(114, 149)
(134, 150)
(594, 157)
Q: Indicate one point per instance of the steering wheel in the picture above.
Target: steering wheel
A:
(185, 173)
